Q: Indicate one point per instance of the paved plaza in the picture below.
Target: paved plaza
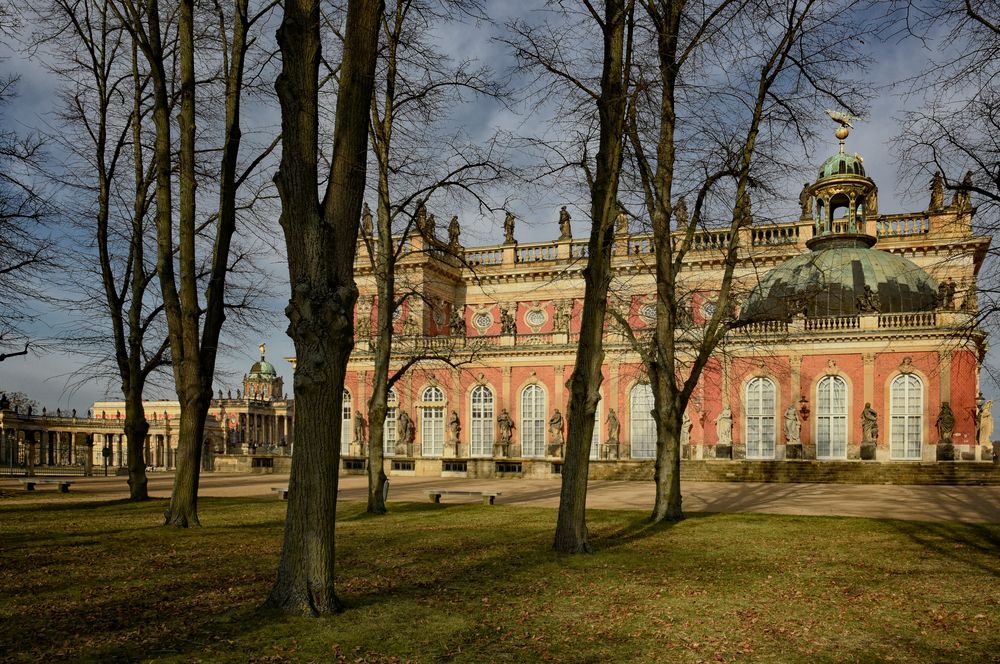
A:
(924, 503)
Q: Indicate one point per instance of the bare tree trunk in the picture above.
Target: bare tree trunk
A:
(321, 238)
(585, 382)
(136, 428)
(667, 473)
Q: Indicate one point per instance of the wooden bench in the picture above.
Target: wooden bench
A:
(487, 496)
(30, 482)
(282, 492)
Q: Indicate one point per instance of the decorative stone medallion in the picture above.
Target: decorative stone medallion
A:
(535, 318)
(648, 313)
(482, 320)
(708, 308)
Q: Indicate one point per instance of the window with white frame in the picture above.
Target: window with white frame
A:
(760, 416)
(831, 418)
(481, 421)
(432, 423)
(642, 427)
(906, 408)
(533, 421)
(389, 428)
(345, 424)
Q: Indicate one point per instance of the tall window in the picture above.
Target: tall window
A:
(906, 399)
(533, 421)
(345, 424)
(759, 407)
(389, 428)
(831, 418)
(432, 423)
(481, 421)
(642, 430)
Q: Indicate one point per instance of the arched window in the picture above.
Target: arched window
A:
(533, 421)
(831, 418)
(642, 429)
(759, 407)
(389, 428)
(906, 408)
(481, 421)
(432, 422)
(345, 424)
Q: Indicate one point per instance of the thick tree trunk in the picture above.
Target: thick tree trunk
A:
(183, 509)
(377, 407)
(305, 583)
(667, 475)
(321, 240)
(585, 382)
(136, 429)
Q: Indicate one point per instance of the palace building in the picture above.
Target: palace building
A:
(858, 341)
(254, 429)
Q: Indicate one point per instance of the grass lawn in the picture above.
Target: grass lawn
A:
(104, 582)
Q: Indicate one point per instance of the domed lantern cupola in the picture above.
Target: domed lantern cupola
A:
(263, 382)
(844, 198)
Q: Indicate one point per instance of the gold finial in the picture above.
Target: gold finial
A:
(844, 120)
(262, 347)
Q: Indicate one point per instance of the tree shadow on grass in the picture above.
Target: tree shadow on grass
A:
(981, 541)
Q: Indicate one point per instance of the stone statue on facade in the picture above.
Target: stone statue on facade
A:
(611, 446)
(945, 424)
(457, 322)
(360, 431)
(508, 229)
(507, 323)
(805, 202)
(556, 427)
(455, 427)
(406, 433)
(793, 427)
(502, 447)
(869, 425)
(367, 227)
(565, 230)
(963, 195)
(560, 322)
(681, 214)
(363, 328)
(454, 232)
(430, 227)
(724, 427)
(937, 193)
(868, 302)
(621, 221)
(410, 327)
(984, 424)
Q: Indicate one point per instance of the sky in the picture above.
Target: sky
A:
(47, 377)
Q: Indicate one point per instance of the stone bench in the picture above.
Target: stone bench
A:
(30, 482)
(487, 496)
(282, 492)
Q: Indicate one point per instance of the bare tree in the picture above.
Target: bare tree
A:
(25, 249)
(321, 237)
(951, 127)
(417, 85)
(194, 319)
(108, 180)
(711, 87)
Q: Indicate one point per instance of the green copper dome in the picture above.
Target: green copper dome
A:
(262, 369)
(832, 281)
(842, 164)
